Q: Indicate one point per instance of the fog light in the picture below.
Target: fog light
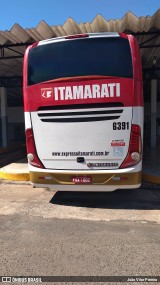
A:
(135, 156)
(30, 156)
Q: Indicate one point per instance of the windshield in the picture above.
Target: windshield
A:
(80, 57)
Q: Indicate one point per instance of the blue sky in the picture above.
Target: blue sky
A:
(28, 13)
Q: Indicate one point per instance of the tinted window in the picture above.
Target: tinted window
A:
(80, 57)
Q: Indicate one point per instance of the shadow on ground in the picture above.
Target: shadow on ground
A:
(138, 199)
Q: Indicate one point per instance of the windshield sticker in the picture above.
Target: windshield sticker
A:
(118, 143)
(118, 151)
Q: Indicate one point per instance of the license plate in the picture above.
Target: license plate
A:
(81, 179)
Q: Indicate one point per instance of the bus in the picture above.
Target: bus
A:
(83, 104)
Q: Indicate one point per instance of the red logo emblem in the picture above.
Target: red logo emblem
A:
(47, 92)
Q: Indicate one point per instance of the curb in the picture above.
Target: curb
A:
(15, 176)
(151, 178)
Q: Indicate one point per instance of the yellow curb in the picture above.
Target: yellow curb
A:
(15, 176)
(151, 178)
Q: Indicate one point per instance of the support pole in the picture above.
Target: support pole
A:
(153, 112)
(3, 114)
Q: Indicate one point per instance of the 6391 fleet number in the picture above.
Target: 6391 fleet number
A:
(121, 126)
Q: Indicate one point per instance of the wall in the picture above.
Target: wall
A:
(15, 124)
(147, 122)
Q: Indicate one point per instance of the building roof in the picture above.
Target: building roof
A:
(129, 23)
(145, 28)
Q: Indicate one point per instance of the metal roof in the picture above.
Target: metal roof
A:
(146, 29)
